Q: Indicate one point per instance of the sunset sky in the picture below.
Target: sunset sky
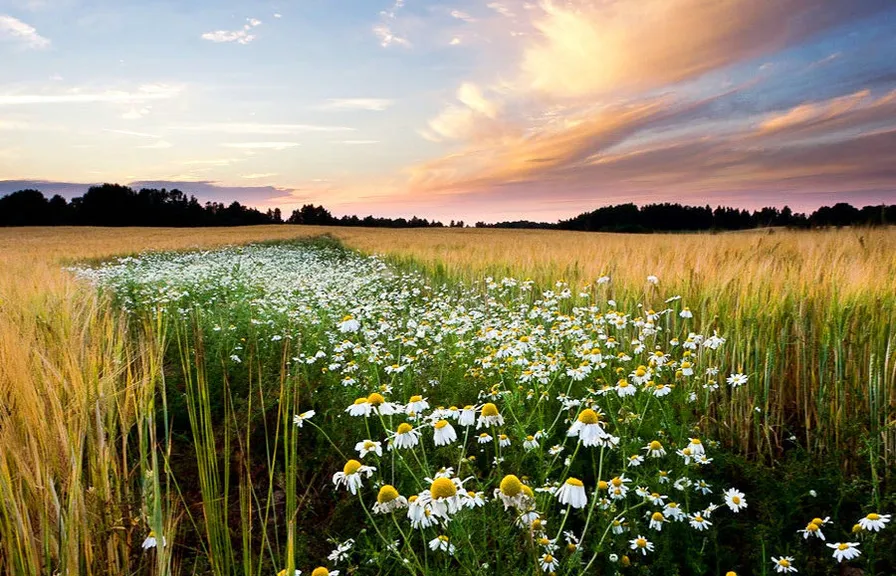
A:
(479, 110)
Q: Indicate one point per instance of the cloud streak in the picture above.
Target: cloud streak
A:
(143, 93)
(241, 36)
(15, 30)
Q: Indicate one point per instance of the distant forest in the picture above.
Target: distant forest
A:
(116, 205)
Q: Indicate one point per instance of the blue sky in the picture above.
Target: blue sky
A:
(471, 109)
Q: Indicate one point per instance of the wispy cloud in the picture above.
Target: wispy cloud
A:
(17, 31)
(259, 176)
(241, 36)
(131, 133)
(373, 104)
(261, 145)
(143, 93)
(157, 145)
(384, 30)
(359, 142)
(460, 15)
(257, 128)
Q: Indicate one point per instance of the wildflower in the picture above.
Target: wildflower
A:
(349, 324)
(351, 475)
(874, 522)
(389, 500)
(474, 499)
(653, 279)
(703, 487)
(572, 493)
(812, 529)
(444, 433)
(656, 521)
(660, 390)
(467, 416)
(635, 460)
(365, 447)
(624, 388)
(340, 554)
(588, 428)
(556, 449)
(381, 406)
(656, 499)
(299, 419)
(503, 440)
(548, 563)
(151, 541)
(618, 525)
(674, 511)
(361, 407)
(416, 405)
(489, 417)
(734, 499)
(406, 436)
(784, 564)
(530, 443)
(686, 313)
(510, 491)
(664, 477)
(698, 522)
(845, 550)
(641, 544)
(737, 380)
(443, 496)
(484, 438)
(441, 543)
(655, 449)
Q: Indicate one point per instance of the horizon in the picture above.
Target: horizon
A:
(476, 111)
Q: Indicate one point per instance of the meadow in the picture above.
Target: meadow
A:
(470, 400)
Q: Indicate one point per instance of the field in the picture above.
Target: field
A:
(149, 407)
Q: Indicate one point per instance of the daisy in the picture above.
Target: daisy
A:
(474, 499)
(381, 406)
(635, 460)
(365, 447)
(784, 564)
(696, 447)
(349, 324)
(489, 417)
(389, 500)
(151, 541)
(341, 553)
(587, 428)
(321, 571)
(655, 449)
(549, 545)
(503, 440)
(416, 405)
(405, 437)
(874, 522)
(444, 497)
(736, 380)
(299, 419)
(548, 562)
(686, 313)
(530, 443)
(444, 433)
(656, 521)
(510, 491)
(660, 390)
(698, 522)
(351, 475)
(441, 543)
(656, 499)
(361, 407)
(484, 438)
(572, 493)
(674, 511)
(641, 544)
(624, 388)
(734, 499)
(467, 416)
(845, 550)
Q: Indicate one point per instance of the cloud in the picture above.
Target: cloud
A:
(259, 176)
(261, 145)
(254, 128)
(454, 41)
(241, 36)
(372, 104)
(143, 93)
(17, 31)
(136, 113)
(358, 142)
(459, 15)
(157, 145)
(384, 29)
(131, 133)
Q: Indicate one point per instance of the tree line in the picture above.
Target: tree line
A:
(116, 205)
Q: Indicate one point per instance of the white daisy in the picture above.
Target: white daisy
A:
(299, 419)
(874, 522)
(572, 493)
(365, 447)
(406, 436)
(641, 544)
(845, 550)
(784, 564)
(734, 499)
(443, 433)
(351, 475)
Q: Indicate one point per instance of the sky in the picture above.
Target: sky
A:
(467, 109)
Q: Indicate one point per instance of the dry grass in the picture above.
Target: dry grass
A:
(810, 315)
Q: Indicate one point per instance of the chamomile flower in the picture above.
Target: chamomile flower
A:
(151, 541)
(349, 324)
(510, 492)
(699, 522)
(656, 521)
(572, 493)
(365, 447)
(625, 388)
(444, 496)
(635, 460)
(641, 544)
(673, 510)
(380, 405)
(484, 438)
(845, 550)
(656, 499)
(587, 428)
(443, 433)
(812, 529)
(388, 500)
(734, 499)
(474, 499)
(341, 553)
(489, 417)
(655, 449)
(874, 522)
(406, 436)
(548, 563)
(530, 443)
(467, 416)
(361, 407)
(737, 380)
(442, 543)
(696, 446)
(351, 475)
(784, 564)
(416, 405)
(503, 440)
(299, 419)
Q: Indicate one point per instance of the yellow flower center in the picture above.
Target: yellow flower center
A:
(657, 517)
(655, 445)
(483, 435)
(672, 505)
(347, 317)
(440, 424)
(856, 528)
(387, 493)
(530, 438)
(548, 559)
(417, 398)
(443, 538)
(536, 524)
(376, 399)
(468, 407)
(784, 562)
(360, 401)
(442, 488)
(625, 561)
(404, 428)
(502, 436)
(818, 521)
(588, 416)
(842, 546)
(602, 485)
(617, 482)
(736, 499)
(489, 410)
(320, 571)
(369, 444)
(696, 441)
(511, 486)
(528, 491)
(641, 371)
(351, 467)
(731, 573)
(641, 542)
(873, 516)
(812, 527)
(412, 499)
(698, 518)
(574, 482)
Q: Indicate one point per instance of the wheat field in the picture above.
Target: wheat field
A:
(815, 315)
